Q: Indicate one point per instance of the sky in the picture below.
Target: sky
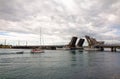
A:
(58, 20)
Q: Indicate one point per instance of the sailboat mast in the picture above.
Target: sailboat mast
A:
(5, 42)
(40, 35)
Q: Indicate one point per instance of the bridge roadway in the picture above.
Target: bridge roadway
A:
(36, 46)
(113, 47)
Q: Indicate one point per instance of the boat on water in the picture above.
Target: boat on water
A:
(20, 52)
(91, 49)
(70, 48)
(37, 50)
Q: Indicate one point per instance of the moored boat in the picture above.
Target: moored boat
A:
(20, 52)
(91, 49)
(37, 50)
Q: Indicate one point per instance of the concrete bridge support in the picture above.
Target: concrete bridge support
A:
(101, 49)
(113, 49)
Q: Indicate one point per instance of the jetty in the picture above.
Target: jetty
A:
(49, 47)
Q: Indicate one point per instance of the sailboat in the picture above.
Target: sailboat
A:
(39, 49)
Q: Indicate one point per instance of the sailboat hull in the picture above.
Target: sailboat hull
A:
(37, 51)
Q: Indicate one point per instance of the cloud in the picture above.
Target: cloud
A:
(60, 19)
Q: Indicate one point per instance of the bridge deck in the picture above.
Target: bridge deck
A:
(110, 46)
(43, 46)
(113, 47)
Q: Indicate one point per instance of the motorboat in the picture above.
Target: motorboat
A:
(19, 52)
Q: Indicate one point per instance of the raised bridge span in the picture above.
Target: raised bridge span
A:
(93, 43)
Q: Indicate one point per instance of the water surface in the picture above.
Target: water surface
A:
(59, 64)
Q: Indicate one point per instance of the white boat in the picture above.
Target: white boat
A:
(91, 49)
(64, 48)
(67, 48)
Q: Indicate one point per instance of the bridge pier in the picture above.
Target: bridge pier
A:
(101, 49)
(113, 49)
